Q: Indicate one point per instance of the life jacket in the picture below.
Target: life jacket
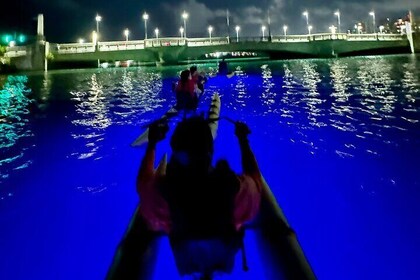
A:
(203, 237)
(185, 96)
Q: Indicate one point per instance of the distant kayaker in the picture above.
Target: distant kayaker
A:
(185, 90)
(223, 67)
(198, 78)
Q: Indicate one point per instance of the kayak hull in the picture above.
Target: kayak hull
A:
(276, 241)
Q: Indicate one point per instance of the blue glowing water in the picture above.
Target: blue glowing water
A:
(337, 140)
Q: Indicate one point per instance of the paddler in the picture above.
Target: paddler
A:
(166, 198)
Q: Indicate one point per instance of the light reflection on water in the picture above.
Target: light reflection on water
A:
(357, 117)
(104, 101)
(14, 125)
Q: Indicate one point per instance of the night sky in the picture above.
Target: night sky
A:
(68, 20)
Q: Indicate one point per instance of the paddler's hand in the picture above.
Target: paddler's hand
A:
(157, 131)
(241, 130)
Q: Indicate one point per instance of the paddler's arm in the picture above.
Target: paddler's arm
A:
(157, 132)
(147, 164)
(249, 162)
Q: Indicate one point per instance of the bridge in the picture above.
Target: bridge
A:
(177, 50)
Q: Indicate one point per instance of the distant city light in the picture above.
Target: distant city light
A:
(22, 38)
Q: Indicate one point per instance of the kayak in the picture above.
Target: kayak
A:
(144, 137)
(214, 112)
(283, 257)
(281, 253)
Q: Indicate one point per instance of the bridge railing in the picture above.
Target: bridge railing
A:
(121, 45)
(290, 38)
(198, 42)
(375, 37)
(166, 42)
(72, 48)
(15, 51)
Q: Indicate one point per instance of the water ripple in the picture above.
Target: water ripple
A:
(14, 124)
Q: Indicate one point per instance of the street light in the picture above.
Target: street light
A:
(185, 17)
(306, 14)
(98, 19)
(126, 33)
(210, 31)
(263, 31)
(81, 41)
(237, 28)
(309, 29)
(373, 18)
(157, 33)
(381, 29)
(337, 13)
(145, 18)
(181, 31)
(285, 30)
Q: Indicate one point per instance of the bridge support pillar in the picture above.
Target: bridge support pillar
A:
(40, 49)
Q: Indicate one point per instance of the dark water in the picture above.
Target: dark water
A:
(337, 140)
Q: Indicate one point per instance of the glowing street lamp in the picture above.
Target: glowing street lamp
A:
(263, 31)
(145, 18)
(181, 31)
(373, 21)
(381, 29)
(337, 13)
(98, 19)
(237, 28)
(306, 14)
(157, 33)
(185, 17)
(309, 29)
(81, 41)
(126, 33)
(210, 29)
(285, 30)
